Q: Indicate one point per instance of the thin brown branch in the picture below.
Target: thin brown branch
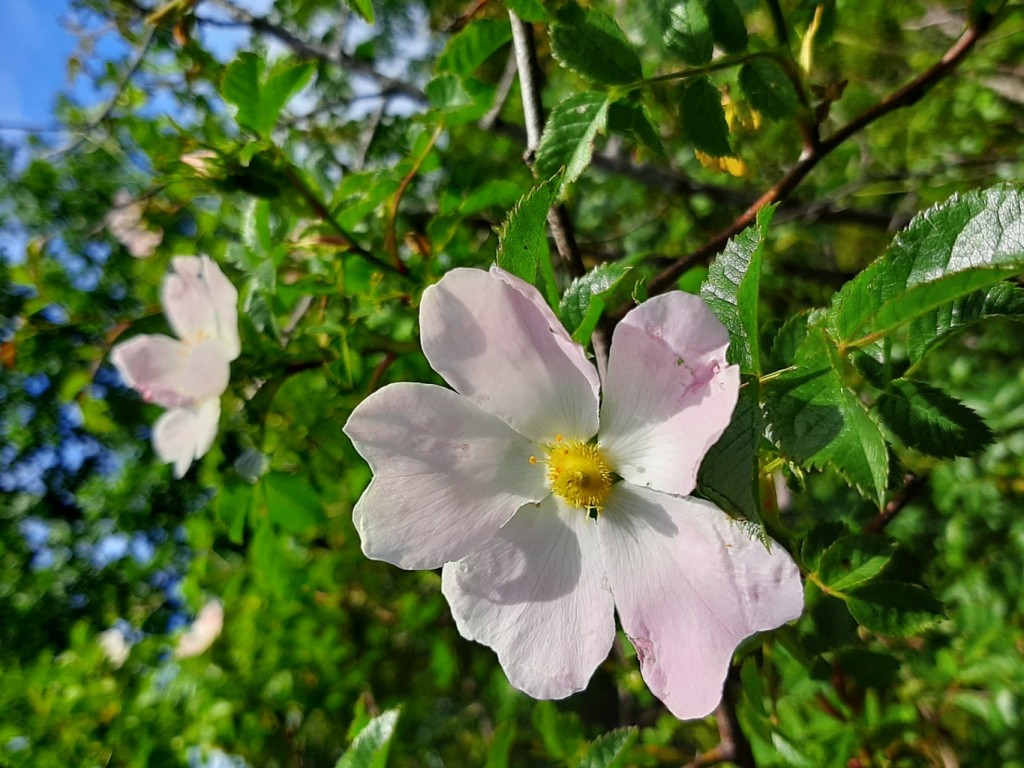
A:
(309, 50)
(318, 207)
(912, 485)
(906, 96)
(126, 77)
(391, 238)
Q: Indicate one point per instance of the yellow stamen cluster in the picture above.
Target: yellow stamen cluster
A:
(578, 473)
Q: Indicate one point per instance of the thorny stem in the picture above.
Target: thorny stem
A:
(906, 96)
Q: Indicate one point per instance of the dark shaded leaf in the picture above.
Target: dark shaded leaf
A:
(930, 421)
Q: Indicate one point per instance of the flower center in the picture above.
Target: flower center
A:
(578, 473)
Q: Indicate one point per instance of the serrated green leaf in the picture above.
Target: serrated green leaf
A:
(817, 421)
(687, 30)
(894, 608)
(592, 45)
(363, 7)
(291, 503)
(568, 138)
(608, 750)
(471, 47)
(279, 90)
(522, 239)
(259, 103)
(930, 421)
(703, 117)
(727, 26)
(447, 93)
(731, 291)
(370, 747)
(630, 118)
(241, 87)
(950, 251)
(729, 473)
(1001, 300)
(583, 301)
(821, 537)
(854, 560)
(768, 89)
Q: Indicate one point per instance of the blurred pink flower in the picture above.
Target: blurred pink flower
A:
(545, 525)
(125, 223)
(205, 629)
(186, 375)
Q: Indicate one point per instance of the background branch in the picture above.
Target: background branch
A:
(909, 94)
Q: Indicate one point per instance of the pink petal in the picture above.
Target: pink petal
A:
(182, 435)
(170, 373)
(492, 338)
(200, 302)
(447, 475)
(669, 392)
(536, 595)
(689, 585)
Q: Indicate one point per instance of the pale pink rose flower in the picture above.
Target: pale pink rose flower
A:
(125, 223)
(205, 629)
(550, 506)
(187, 375)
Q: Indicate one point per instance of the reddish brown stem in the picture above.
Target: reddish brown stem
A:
(906, 96)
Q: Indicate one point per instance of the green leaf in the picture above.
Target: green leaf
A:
(363, 7)
(279, 90)
(869, 668)
(460, 100)
(930, 421)
(584, 300)
(259, 103)
(946, 253)
(471, 47)
(630, 118)
(291, 503)
(727, 26)
(817, 421)
(528, 10)
(608, 750)
(592, 45)
(854, 560)
(568, 138)
(703, 117)
(729, 473)
(241, 87)
(371, 745)
(232, 505)
(731, 291)
(687, 31)
(560, 732)
(1001, 300)
(501, 744)
(894, 608)
(768, 89)
(522, 239)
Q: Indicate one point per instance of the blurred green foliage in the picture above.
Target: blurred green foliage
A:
(335, 169)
